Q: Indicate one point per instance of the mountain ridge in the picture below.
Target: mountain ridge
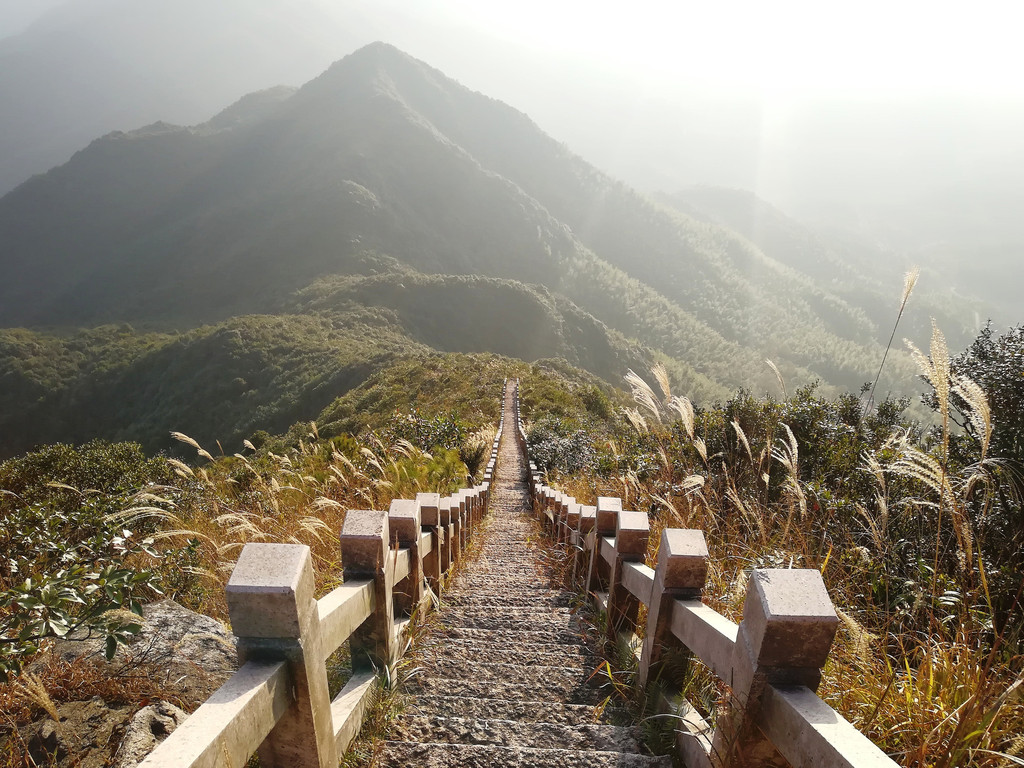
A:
(383, 157)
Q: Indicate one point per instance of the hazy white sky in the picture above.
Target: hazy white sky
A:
(787, 46)
(887, 97)
(772, 47)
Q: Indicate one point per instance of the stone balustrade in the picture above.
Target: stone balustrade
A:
(770, 662)
(277, 704)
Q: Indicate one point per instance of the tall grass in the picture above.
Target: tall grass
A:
(890, 518)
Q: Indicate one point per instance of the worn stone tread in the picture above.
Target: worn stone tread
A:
(552, 655)
(571, 691)
(433, 755)
(523, 710)
(540, 735)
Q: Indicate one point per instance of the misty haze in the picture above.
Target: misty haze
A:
(757, 270)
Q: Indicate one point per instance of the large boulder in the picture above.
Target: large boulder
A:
(186, 654)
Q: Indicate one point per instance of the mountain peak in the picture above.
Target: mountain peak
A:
(250, 108)
(380, 67)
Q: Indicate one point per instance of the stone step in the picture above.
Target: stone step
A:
(506, 637)
(496, 590)
(570, 688)
(504, 621)
(460, 730)
(552, 654)
(500, 599)
(495, 665)
(433, 755)
(522, 710)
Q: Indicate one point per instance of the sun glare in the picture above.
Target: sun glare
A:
(787, 46)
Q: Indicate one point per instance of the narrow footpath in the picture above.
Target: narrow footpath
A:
(505, 679)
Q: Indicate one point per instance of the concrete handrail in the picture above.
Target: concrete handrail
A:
(771, 660)
(277, 703)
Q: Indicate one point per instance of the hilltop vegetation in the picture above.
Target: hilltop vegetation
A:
(264, 372)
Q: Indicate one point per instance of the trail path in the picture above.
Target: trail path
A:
(505, 681)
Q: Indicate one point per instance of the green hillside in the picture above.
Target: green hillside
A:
(225, 381)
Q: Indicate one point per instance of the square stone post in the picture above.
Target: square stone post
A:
(465, 522)
(274, 618)
(404, 522)
(561, 514)
(455, 516)
(784, 638)
(476, 498)
(365, 551)
(572, 524)
(680, 574)
(430, 520)
(608, 509)
(632, 531)
(444, 516)
(588, 520)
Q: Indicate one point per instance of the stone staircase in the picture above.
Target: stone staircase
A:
(504, 680)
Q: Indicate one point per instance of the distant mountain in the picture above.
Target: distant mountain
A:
(382, 183)
(863, 272)
(88, 67)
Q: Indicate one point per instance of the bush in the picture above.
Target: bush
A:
(556, 444)
(67, 561)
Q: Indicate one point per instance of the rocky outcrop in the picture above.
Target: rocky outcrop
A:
(147, 728)
(188, 656)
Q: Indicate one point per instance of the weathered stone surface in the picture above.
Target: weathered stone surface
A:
(788, 617)
(183, 651)
(631, 534)
(682, 559)
(429, 504)
(172, 638)
(147, 728)
(84, 737)
(404, 521)
(474, 730)
(490, 756)
(270, 592)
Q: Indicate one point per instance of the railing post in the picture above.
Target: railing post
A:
(572, 525)
(365, 554)
(404, 522)
(430, 519)
(455, 515)
(567, 503)
(631, 533)
(680, 574)
(608, 508)
(588, 519)
(444, 518)
(274, 617)
(784, 639)
(465, 524)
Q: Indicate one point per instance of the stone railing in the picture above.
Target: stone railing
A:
(278, 704)
(770, 663)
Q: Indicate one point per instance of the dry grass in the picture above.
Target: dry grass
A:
(931, 684)
(205, 519)
(299, 497)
